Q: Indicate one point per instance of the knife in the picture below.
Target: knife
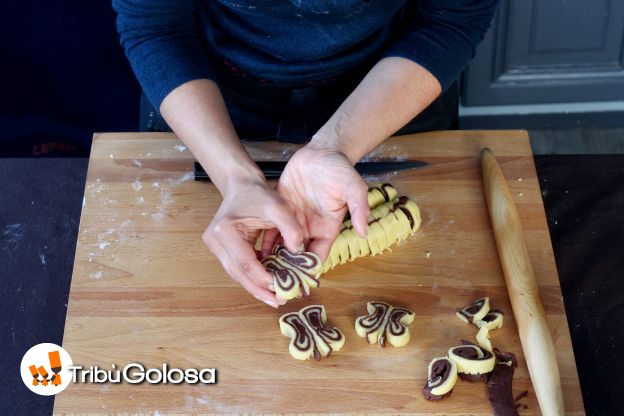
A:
(273, 170)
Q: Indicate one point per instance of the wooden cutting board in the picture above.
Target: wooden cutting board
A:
(145, 289)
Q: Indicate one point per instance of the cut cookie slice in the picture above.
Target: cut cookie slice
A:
(441, 378)
(473, 362)
(309, 337)
(475, 311)
(493, 320)
(385, 323)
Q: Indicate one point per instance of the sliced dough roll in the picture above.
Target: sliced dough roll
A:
(388, 224)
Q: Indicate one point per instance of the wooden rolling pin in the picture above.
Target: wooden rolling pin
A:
(528, 309)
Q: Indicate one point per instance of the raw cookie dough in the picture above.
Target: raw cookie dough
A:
(483, 337)
(473, 362)
(380, 193)
(493, 319)
(309, 337)
(474, 312)
(385, 322)
(293, 273)
(441, 378)
(500, 393)
(388, 223)
(507, 358)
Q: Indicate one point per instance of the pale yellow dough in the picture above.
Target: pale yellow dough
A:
(385, 323)
(293, 273)
(391, 221)
(309, 337)
(446, 386)
(482, 364)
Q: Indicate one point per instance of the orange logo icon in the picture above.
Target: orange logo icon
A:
(46, 381)
(55, 366)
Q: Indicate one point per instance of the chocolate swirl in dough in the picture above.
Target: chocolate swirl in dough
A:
(474, 312)
(391, 220)
(380, 193)
(441, 378)
(309, 337)
(473, 362)
(384, 322)
(493, 320)
(293, 273)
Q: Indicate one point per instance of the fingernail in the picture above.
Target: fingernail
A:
(272, 287)
(268, 302)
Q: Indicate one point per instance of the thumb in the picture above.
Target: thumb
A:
(357, 201)
(291, 231)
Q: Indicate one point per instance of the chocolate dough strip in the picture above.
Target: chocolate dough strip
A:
(384, 323)
(500, 393)
(507, 358)
(475, 311)
(441, 378)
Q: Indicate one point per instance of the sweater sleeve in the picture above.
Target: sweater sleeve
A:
(161, 41)
(442, 35)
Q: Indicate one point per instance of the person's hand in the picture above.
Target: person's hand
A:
(248, 207)
(320, 184)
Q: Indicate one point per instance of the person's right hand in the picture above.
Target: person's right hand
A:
(250, 206)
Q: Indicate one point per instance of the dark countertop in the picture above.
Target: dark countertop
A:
(40, 203)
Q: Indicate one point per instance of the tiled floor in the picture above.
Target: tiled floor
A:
(577, 141)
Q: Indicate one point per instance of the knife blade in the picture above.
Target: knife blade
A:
(273, 169)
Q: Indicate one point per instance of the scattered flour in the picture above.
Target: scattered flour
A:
(159, 216)
(96, 275)
(180, 148)
(137, 185)
(184, 178)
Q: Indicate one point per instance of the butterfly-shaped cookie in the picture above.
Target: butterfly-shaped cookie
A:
(293, 273)
(384, 323)
(309, 337)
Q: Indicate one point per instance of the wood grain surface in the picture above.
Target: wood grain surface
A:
(145, 289)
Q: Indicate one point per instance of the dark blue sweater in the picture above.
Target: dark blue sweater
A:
(170, 42)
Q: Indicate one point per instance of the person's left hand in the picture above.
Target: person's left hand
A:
(320, 184)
